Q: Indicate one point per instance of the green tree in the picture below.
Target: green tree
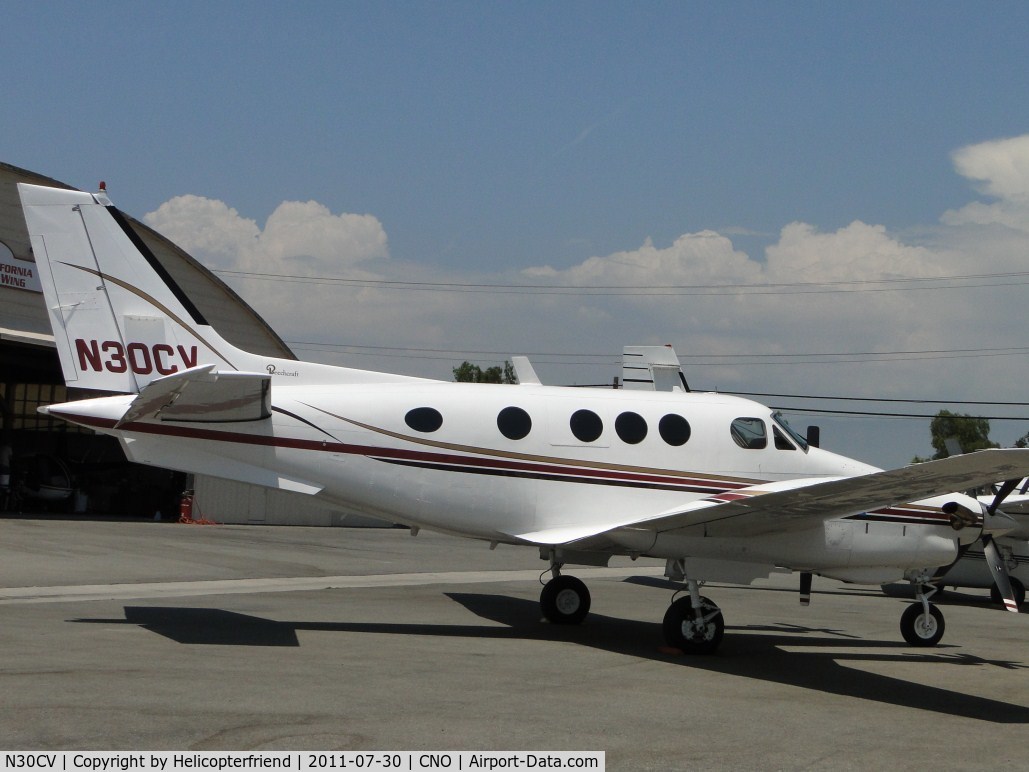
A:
(466, 372)
(970, 432)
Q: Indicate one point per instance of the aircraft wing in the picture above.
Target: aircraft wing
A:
(795, 505)
(796, 508)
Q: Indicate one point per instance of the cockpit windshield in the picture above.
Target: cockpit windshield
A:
(782, 423)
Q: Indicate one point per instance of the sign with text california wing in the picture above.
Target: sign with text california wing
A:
(17, 274)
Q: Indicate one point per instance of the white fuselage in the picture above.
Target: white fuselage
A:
(504, 463)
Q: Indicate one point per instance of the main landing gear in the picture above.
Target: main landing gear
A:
(692, 624)
(565, 600)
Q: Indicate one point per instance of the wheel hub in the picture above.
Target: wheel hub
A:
(567, 601)
(697, 630)
(925, 625)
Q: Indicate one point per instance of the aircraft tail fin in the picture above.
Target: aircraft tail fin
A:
(652, 368)
(119, 319)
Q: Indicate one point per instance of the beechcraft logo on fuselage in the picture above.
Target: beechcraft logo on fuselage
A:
(273, 370)
(140, 358)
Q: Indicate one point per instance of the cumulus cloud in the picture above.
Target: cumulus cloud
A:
(694, 258)
(712, 291)
(297, 235)
(310, 229)
(1001, 168)
(803, 254)
(299, 239)
(204, 226)
(1002, 165)
(858, 252)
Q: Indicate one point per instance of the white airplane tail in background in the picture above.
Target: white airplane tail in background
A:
(652, 368)
(119, 319)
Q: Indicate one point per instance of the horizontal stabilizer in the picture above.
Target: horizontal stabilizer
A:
(202, 394)
(161, 393)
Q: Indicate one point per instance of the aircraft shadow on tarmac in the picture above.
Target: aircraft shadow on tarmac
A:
(759, 652)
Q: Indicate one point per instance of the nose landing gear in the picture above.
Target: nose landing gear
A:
(922, 624)
(694, 624)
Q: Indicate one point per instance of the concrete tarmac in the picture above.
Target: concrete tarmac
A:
(159, 636)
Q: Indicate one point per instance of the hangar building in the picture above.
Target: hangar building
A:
(47, 465)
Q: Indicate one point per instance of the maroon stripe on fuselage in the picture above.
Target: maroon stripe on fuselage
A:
(456, 463)
(552, 475)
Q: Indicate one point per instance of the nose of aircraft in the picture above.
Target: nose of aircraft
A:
(842, 466)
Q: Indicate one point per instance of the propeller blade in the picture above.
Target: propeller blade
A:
(1000, 572)
(1003, 493)
(805, 588)
(995, 521)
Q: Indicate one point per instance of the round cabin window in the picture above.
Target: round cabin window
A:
(514, 423)
(424, 419)
(586, 425)
(631, 428)
(674, 429)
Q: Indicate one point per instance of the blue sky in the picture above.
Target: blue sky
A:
(553, 142)
(458, 124)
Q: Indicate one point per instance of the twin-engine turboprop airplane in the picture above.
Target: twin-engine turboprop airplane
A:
(720, 487)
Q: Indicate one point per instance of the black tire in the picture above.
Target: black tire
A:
(565, 600)
(919, 630)
(1016, 586)
(683, 631)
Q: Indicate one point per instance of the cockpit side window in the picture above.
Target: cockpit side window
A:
(780, 421)
(749, 433)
